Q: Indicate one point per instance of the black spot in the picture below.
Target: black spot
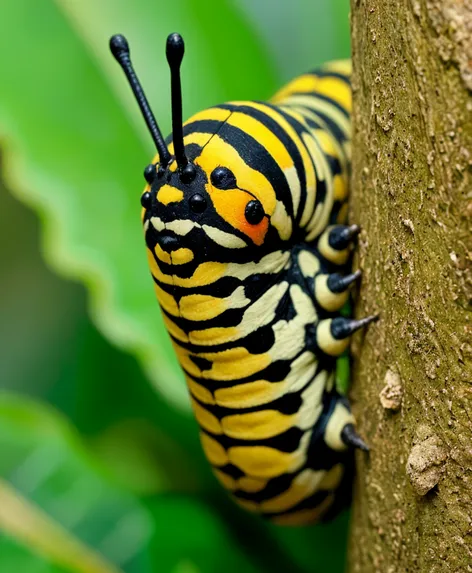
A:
(168, 241)
(260, 341)
(188, 173)
(150, 173)
(289, 404)
(197, 203)
(255, 286)
(223, 178)
(254, 212)
(146, 200)
(276, 371)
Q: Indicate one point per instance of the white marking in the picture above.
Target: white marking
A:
(308, 263)
(281, 221)
(338, 419)
(272, 263)
(224, 239)
(326, 108)
(181, 227)
(262, 311)
(294, 183)
(312, 406)
(290, 335)
(157, 223)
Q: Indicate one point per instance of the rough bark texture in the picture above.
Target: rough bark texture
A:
(412, 195)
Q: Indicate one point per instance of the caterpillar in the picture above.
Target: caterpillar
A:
(244, 215)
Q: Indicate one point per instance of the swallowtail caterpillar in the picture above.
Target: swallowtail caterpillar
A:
(244, 216)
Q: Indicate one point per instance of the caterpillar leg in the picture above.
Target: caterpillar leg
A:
(335, 242)
(340, 432)
(352, 439)
(332, 290)
(334, 334)
(329, 290)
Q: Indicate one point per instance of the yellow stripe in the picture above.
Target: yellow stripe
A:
(212, 113)
(256, 425)
(162, 255)
(302, 486)
(207, 421)
(199, 392)
(166, 300)
(201, 307)
(216, 335)
(332, 478)
(343, 214)
(204, 274)
(285, 126)
(331, 87)
(264, 136)
(249, 394)
(234, 363)
(174, 330)
(226, 481)
(214, 451)
(340, 187)
(318, 105)
(181, 256)
(339, 66)
(222, 153)
(304, 516)
(251, 485)
(246, 504)
(264, 462)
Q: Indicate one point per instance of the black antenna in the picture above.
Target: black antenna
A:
(120, 49)
(175, 48)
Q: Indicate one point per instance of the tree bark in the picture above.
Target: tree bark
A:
(412, 196)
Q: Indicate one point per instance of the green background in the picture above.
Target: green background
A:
(95, 428)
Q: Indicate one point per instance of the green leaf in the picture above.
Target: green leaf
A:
(58, 502)
(75, 144)
(30, 525)
(301, 34)
(16, 557)
(101, 389)
(194, 540)
(60, 505)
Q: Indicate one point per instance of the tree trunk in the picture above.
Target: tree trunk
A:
(412, 196)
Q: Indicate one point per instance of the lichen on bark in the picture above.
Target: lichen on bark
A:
(412, 196)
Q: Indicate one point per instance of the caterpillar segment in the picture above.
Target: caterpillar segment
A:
(244, 214)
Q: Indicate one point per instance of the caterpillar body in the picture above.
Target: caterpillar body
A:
(244, 214)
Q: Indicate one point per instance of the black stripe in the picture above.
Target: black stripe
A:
(324, 73)
(277, 130)
(258, 158)
(321, 187)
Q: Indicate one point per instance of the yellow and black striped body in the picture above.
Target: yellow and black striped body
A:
(248, 305)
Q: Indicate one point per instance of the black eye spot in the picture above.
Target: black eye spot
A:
(254, 212)
(223, 178)
(188, 173)
(150, 173)
(197, 203)
(146, 200)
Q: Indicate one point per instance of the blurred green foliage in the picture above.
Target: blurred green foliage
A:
(96, 438)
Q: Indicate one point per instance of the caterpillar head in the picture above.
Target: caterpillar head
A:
(201, 194)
